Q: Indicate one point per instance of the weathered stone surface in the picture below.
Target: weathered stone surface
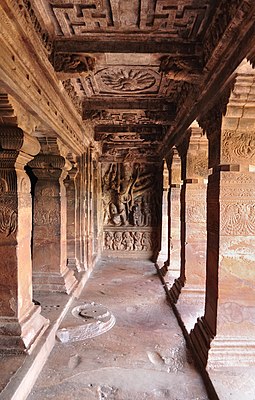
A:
(20, 320)
(87, 321)
(50, 270)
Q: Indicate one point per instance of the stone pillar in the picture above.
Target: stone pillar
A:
(71, 195)
(191, 302)
(50, 272)
(225, 335)
(163, 258)
(180, 281)
(89, 227)
(84, 204)
(97, 200)
(78, 215)
(20, 320)
(174, 219)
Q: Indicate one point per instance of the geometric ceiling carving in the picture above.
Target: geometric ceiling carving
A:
(80, 17)
(136, 68)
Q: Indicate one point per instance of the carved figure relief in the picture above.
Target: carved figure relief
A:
(8, 220)
(108, 241)
(129, 241)
(117, 242)
(127, 193)
(238, 219)
(196, 212)
(238, 146)
(3, 186)
(72, 63)
(180, 69)
(47, 217)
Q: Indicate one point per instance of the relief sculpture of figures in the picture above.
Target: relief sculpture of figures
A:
(8, 220)
(127, 195)
(128, 241)
(117, 243)
(108, 240)
(137, 241)
(145, 241)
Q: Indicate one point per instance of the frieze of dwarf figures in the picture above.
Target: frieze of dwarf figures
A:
(129, 240)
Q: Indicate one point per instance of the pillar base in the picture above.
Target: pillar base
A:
(191, 305)
(21, 336)
(231, 352)
(175, 290)
(200, 340)
(193, 292)
(54, 281)
(73, 264)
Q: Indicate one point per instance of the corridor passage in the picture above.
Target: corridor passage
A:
(143, 357)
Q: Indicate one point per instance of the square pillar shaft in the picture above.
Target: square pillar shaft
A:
(21, 323)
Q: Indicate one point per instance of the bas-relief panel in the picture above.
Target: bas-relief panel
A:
(8, 205)
(131, 196)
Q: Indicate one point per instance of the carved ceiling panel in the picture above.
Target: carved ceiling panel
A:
(126, 80)
(180, 19)
(129, 64)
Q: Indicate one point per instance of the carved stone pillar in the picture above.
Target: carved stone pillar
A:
(191, 302)
(225, 336)
(179, 282)
(96, 201)
(174, 219)
(163, 258)
(84, 212)
(71, 195)
(20, 320)
(50, 272)
(78, 215)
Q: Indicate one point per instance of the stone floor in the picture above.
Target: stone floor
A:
(142, 357)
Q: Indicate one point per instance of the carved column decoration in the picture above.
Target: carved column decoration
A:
(182, 149)
(191, 302)
(174, 165)
(50, 272)
(225, 335)
(20, 320)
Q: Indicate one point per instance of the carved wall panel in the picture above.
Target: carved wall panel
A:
(131, 194)
(238, 147)
(238, 219)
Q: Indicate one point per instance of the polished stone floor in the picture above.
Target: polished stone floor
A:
(143, 357)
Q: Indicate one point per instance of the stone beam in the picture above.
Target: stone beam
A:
(95, 43)
(144, 129)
